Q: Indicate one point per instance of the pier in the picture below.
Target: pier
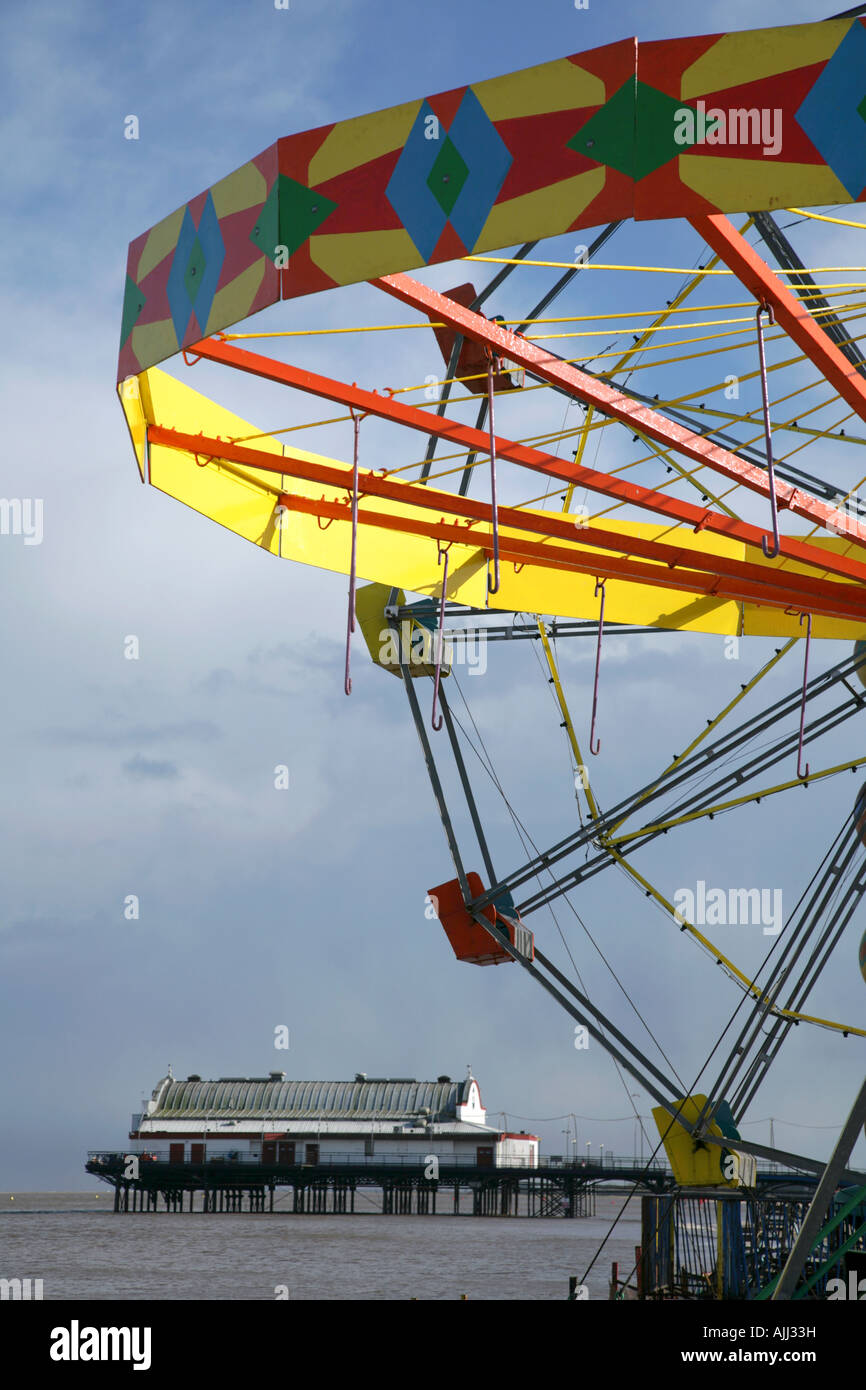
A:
(547, 1191)
(550, 1190)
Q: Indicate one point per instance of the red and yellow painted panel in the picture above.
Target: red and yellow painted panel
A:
(677, 128)
(428, 181)
(438, 178)
(755, 120)
(202, 268)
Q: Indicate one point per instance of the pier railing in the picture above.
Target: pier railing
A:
(607, 1164)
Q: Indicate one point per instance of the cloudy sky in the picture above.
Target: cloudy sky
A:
(155, 777)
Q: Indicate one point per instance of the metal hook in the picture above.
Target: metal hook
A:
(350, 624)
(599, 584)
(804, 775)
(494, 587)
(770, 551)
(439, 635)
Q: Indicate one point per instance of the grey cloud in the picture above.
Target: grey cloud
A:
(143, 768)
(193, 731)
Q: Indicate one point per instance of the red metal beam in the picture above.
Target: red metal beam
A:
(610, 401)
(385, 407)
(604, 566)
(789, 311)
(764, 584)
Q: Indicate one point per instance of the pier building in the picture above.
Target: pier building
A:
(270, 1119)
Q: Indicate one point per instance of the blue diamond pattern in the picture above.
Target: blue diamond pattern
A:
(210, 239)
(486, 157)
(408, 191)
(829, 113)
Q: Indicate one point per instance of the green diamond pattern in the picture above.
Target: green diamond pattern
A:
(608, 136)
(633, 132)
(133, 303)
(195, 268)
(656, 125)
(861, 110)
(266, 232)
(289, 215)
(447, 177)
(302, 211)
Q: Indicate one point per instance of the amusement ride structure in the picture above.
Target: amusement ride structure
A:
(707, 520)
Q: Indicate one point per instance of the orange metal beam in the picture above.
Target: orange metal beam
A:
(385, 407)
(610, 401)
(763, 584)
(603, 566)
(789, 311)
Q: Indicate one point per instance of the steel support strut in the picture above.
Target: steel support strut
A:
(792, 1160)
(833, 1174)
(760, 1038)
(790, 312)
(432, 772)
(609, 401)
(467, 786)
(587, 1015)
(733, 780)
(572, 1000)
(787, 257)
(698, 762)
(539, 308)
(454, 358)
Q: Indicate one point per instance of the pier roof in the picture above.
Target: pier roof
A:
(397, 1099)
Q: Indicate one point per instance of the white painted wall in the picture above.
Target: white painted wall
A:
(393, 1147)
(521, 1152)
(472, 1112)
